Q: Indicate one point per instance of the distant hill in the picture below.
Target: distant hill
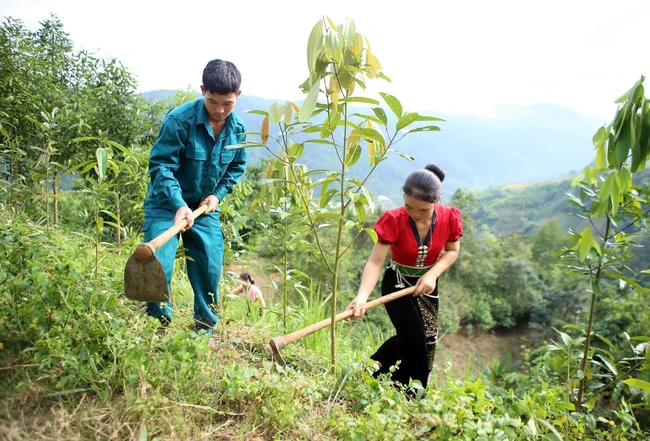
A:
(525, 207)
(521, 145)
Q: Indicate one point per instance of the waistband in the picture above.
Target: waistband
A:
(410, 271)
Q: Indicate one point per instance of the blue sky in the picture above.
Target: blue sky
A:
(453, 57)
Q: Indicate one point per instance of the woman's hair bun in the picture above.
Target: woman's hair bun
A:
(433, 168)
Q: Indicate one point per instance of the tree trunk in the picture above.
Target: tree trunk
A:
(47, 185)
(118, 233)
(55, 199)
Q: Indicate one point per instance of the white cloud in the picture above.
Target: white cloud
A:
(452, 57)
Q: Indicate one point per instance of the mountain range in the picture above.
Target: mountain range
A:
(517, 145)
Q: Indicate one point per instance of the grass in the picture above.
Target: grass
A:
(78, 361)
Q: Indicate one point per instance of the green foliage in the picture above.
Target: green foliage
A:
(339, 60)
(81, 351)
(51, 95)
(609, 191)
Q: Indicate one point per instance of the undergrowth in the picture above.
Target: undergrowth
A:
(79, 361)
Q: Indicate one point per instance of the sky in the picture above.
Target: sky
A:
(455, 57)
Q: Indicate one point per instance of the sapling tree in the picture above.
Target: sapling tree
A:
(340, 60)
(616, 205)
(97, 182)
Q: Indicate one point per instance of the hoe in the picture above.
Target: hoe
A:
(280, 342)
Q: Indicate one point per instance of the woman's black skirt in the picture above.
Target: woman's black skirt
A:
(414, 345)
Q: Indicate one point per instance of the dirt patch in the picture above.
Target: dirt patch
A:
(480, 349)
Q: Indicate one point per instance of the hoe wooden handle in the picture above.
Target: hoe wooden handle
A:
(146, 252)
(278, 343)
(174, 230)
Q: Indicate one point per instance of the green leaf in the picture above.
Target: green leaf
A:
(276, 112)
(640, 384)
(626, 96)
(84, 138)
(296, 150)
(624, 180)
(359, 99)
(406, 120)
(600, 139)
(610, 190)
(360, 209)
(611, 150)
(624, 140)
(422, 118)
(425, 129)
(586, 243)
(314, 46)
(606, 340)
(309, 104)
(319, 141)
(245, 145)
(379, 113)
(334, 46)
(566, 339)
(554, 435)
(348, 31)
(102, 160)
(325, 216)
(144, 434)
(372, 233)
(326, 197)
(258, 112)
(610, 366)
(365, 117)
(373, 135)
(393, 104)
(352, 155)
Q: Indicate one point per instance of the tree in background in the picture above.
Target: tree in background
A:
(50, 96)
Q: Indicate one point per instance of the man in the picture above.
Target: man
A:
(189, 166)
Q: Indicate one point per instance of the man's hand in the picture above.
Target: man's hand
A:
(184, 213)
(211, 201)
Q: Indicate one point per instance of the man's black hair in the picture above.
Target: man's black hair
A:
(221, 77)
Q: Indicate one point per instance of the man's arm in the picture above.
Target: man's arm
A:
(164, 161)
(232, 175)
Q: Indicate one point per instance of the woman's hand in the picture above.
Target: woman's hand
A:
(357, 307)
(426, 284)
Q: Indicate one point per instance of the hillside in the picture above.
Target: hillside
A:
(519, 145)
(525, 207)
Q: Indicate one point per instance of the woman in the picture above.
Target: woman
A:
(251, 292)
(423, 237)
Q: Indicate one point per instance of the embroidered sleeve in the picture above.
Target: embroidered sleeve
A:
(386, 228)
(456, 225)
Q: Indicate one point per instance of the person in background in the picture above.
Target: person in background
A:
(250, 292)
(189, 166)
(423, 237)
